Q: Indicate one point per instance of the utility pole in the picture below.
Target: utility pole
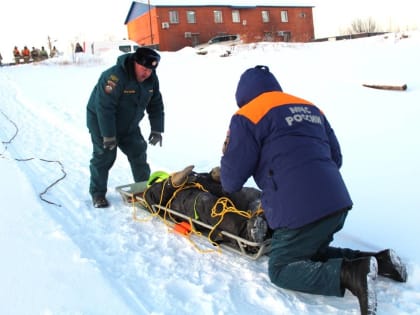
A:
(150, 23)
(49, 43)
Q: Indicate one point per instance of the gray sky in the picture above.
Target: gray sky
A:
(333, 16)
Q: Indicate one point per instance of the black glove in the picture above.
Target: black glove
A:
(110, 143)
(155, 137)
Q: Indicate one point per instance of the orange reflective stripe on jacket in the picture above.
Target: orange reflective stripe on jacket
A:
(256, 109)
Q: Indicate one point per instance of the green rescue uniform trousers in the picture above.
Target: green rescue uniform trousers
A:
(302, 260)
(133, 146)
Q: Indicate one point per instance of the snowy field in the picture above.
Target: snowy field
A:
(62, 256)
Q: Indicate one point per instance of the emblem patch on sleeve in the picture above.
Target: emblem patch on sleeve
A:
(109, 87)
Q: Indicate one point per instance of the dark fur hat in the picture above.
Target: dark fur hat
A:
(146, 57)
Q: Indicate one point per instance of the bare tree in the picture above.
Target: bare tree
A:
(363, 26)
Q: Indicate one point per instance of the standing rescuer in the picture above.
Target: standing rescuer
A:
(116, 106)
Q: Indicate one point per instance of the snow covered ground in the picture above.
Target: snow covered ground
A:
(61, 256)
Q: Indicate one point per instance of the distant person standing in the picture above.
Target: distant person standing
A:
(116, 106)
(26, 54)
(78, 48)
(54, 52)
(16, 55)
(1, 59)
(35, 54)
(43, 53)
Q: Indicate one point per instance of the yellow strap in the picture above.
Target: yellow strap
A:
(194, 244)
(226, 206)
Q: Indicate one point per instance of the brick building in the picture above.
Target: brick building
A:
(171, 27)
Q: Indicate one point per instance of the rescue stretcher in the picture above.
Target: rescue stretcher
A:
(131, 194)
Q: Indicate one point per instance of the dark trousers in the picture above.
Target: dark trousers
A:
(133, 146)
(303, 260)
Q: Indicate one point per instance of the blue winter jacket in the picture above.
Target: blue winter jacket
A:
(288, 146)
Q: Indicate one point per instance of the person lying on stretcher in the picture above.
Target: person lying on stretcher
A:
(200, 196)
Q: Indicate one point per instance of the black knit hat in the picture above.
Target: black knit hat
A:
(146, 57)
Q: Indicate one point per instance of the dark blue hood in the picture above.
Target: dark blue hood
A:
(254, 82)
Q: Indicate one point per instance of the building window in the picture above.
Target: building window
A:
(173, 17)
(283, 16)
(191, 17)
(218, 17)
(265, 16)
(236, 17)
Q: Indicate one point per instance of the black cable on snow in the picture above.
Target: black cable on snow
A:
(32, 158)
